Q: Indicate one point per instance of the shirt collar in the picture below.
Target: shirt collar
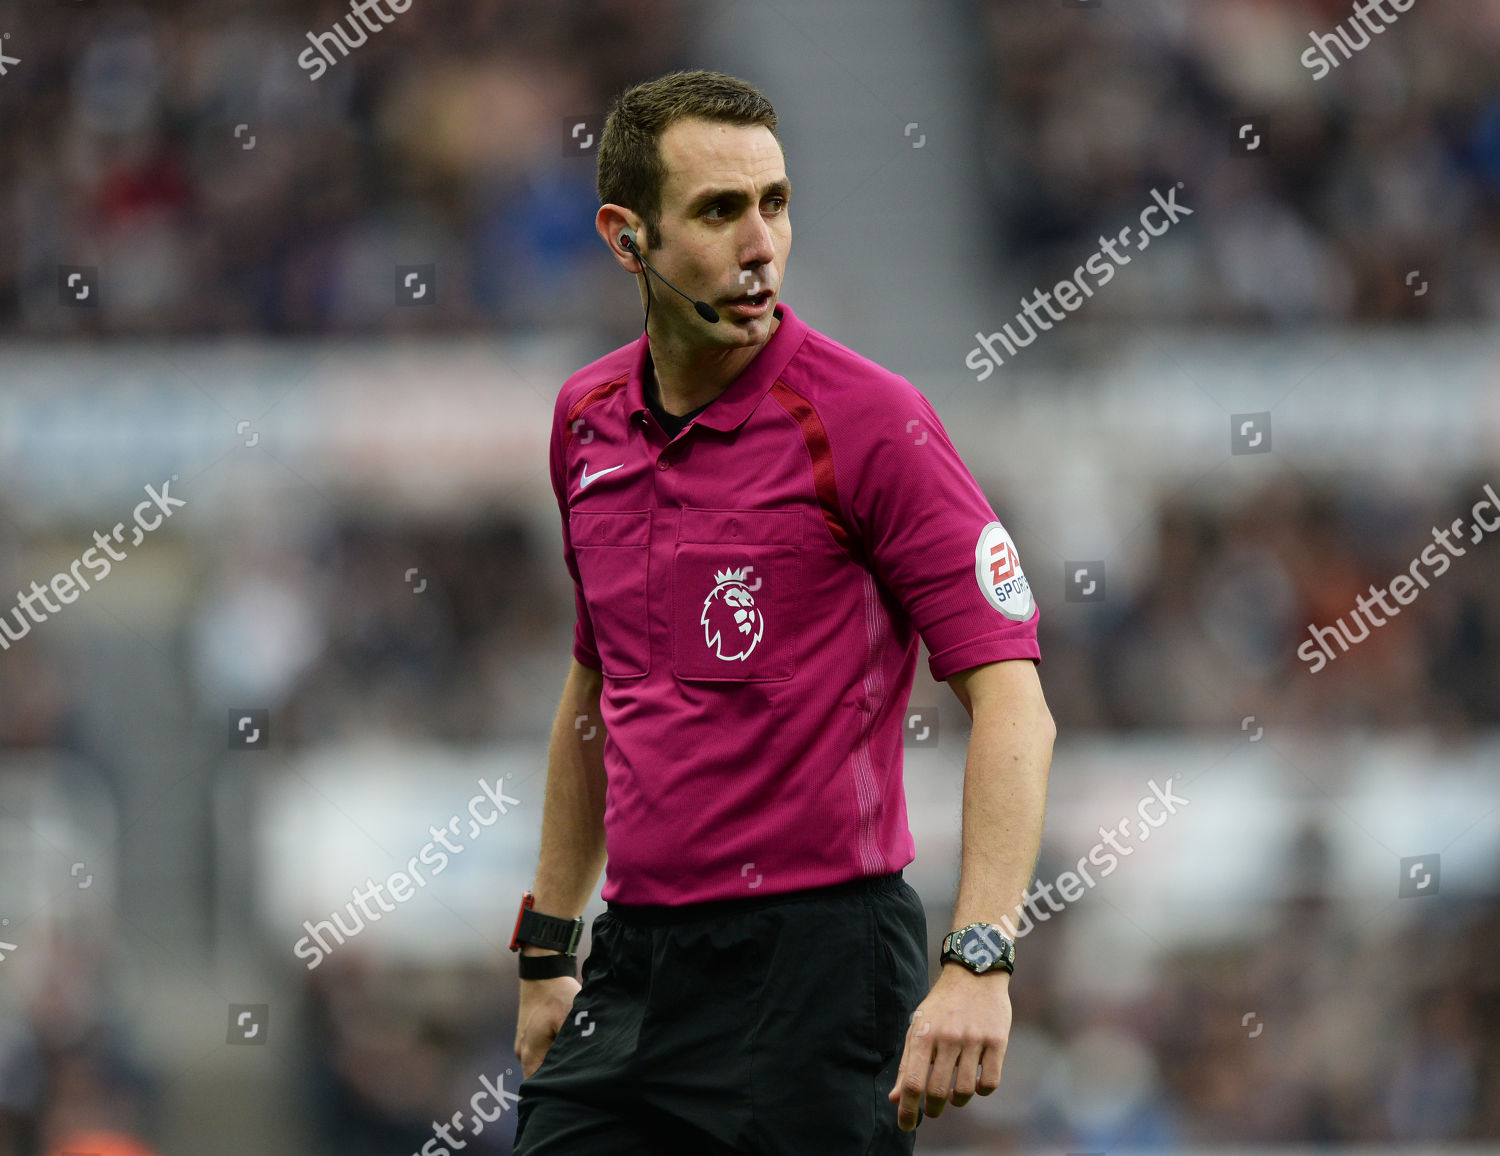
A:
(727, 411)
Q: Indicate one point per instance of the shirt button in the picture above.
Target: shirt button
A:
(663, 464)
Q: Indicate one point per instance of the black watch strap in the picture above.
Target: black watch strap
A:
(549, 931)
(545, 966)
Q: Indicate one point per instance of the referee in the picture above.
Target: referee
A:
(759, 523)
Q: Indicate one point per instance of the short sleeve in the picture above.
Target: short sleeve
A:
(934, 540)
(584, 648)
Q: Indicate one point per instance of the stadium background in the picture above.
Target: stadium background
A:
(369, 550)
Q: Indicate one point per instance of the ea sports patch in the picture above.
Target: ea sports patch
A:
(998, 569)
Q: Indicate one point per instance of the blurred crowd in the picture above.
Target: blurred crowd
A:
(1321, 1028)
(1386, 167)
(182, 152)
(1209, 631)
(341, 648)
(338, 645)
(179, 149)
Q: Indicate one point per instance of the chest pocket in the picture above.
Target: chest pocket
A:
(613, 551)
(736, 581)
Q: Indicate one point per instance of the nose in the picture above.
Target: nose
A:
(756, 247)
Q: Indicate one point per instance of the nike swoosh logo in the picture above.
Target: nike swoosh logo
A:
(587, 478)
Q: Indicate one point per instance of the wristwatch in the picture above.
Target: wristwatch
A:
(980, 947)
(549, 931)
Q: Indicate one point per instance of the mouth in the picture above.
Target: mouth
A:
(751, 303)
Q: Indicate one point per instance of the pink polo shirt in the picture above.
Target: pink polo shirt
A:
(753, 590)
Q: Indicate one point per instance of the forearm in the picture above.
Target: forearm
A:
(1005, 799)
(572, 845)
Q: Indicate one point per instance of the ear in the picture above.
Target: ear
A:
(610, 222)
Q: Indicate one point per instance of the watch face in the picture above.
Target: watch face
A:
(982, 947)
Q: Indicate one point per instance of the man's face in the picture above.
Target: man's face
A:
(724, 227)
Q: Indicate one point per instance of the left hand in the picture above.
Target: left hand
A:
(962, 1026)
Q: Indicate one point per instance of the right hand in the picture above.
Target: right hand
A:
(544, 1007)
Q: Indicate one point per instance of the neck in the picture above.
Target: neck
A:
(687, 375)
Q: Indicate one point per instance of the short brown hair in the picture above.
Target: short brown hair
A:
(631, 172)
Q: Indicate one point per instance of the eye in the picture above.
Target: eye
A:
(781, 201)
(716, 205)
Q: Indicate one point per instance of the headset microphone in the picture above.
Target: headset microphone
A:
(705, 310)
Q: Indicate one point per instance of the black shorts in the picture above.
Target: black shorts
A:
(759, 1027)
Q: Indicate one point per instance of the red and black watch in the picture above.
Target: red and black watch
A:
(549, 931)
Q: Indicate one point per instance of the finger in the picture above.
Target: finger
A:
(895, 1091)
(989, 1070)
(906, 1058)
(967, 1073)
(941, 1080)
(913, 1076)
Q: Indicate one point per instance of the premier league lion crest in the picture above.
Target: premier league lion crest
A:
(732, 624)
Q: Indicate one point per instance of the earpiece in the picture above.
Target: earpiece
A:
(630, 243)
